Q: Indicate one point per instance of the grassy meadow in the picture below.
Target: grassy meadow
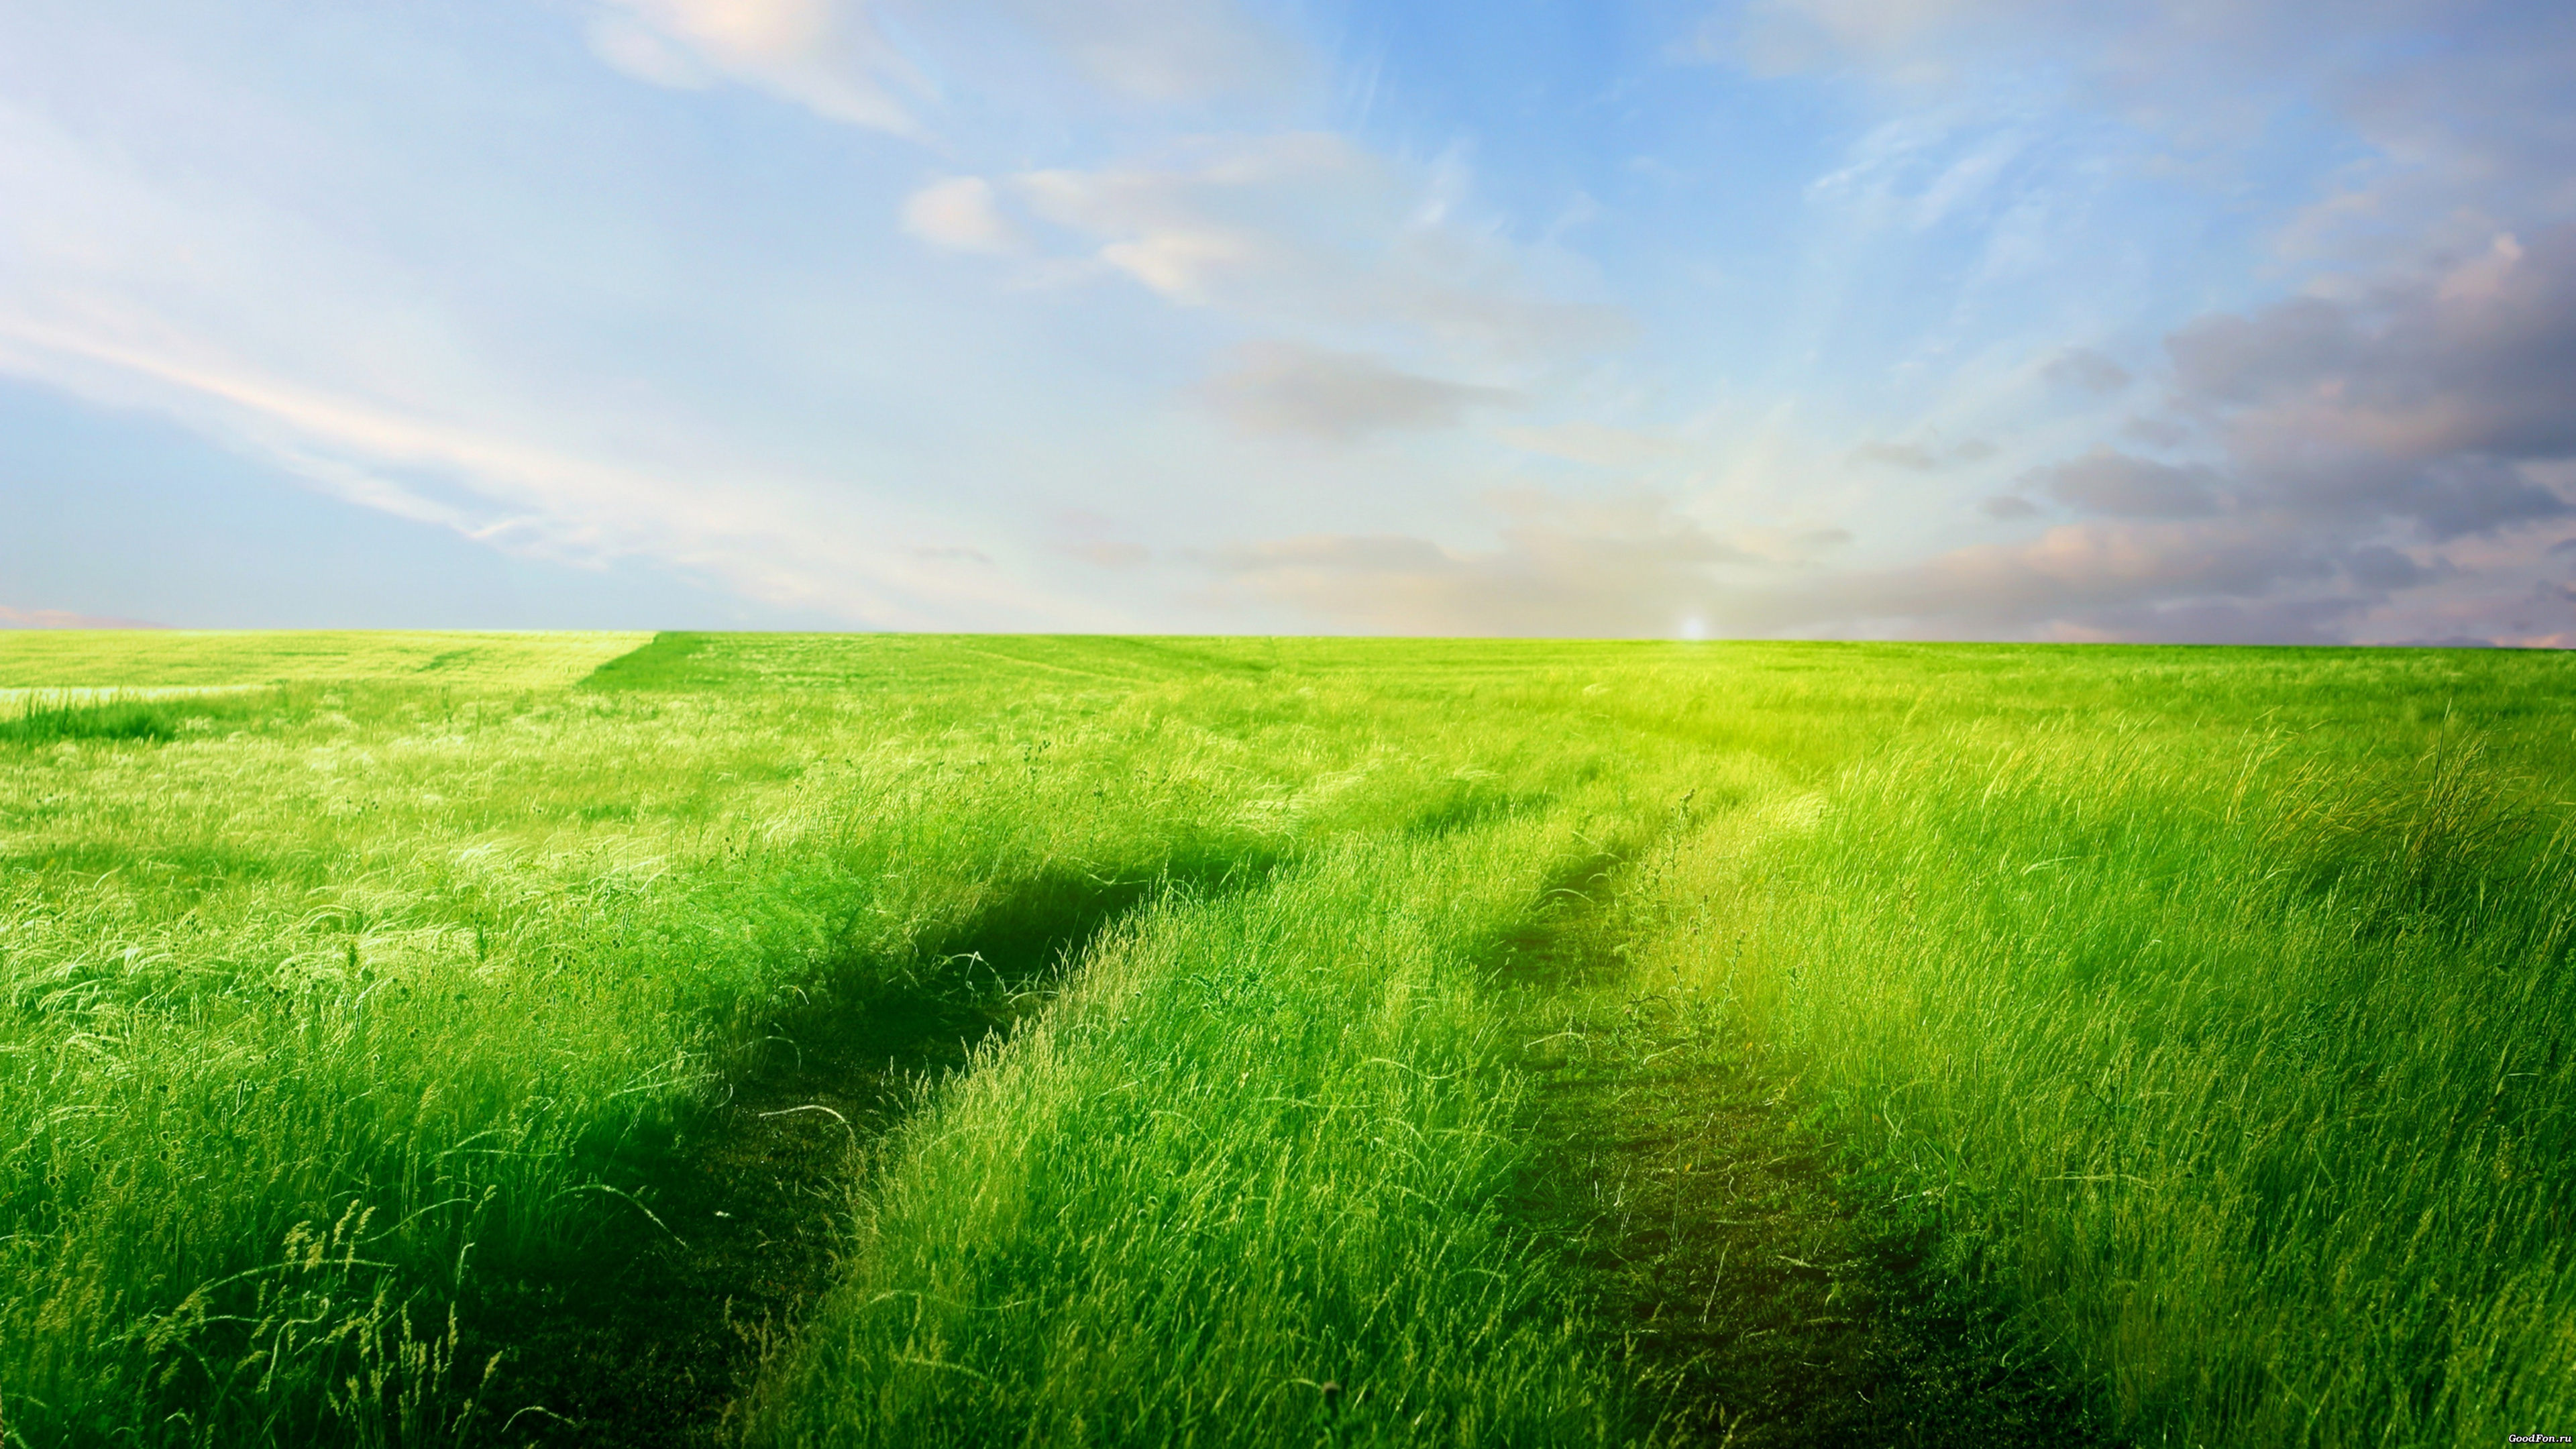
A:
(490, 1039)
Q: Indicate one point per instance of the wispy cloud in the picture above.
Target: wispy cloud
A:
(842, 59)
(1311, 229)
(830, 56)
(777, 542)
(961, 214)
(1285, 387)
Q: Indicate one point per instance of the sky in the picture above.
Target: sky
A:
(2217, 321)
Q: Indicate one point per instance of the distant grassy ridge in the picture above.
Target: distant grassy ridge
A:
(2190, 1007)
(162, 659)
(660, 663)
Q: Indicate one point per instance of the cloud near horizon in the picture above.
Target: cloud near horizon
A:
(2357, 437)
(1623, 566)
(65, 619)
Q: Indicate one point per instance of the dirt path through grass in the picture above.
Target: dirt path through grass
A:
(1753, 1299)
(707, 1260)
(1733, 1277)
(647, 1335)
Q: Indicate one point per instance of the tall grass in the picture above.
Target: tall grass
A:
(52, 717)
(2231, 1061)
(2200, 1007)
(424, 974)
(410, 978)
(1241, 1187)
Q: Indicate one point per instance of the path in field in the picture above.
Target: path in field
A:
(1747, 1293)
(648, 1337)
(650, 1331)
(1738, 1285)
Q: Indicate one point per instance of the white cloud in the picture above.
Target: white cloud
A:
(839, 58)
(830, 56)
(961, 214)
(1220, 220)
(1310, 231)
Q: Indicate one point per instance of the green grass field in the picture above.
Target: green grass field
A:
(898, 1040)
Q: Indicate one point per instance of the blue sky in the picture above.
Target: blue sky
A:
(1844, 318)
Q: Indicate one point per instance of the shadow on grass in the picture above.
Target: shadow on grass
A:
(649, 1334)
(1753, 1301)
